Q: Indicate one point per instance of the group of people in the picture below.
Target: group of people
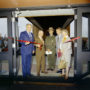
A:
(51, 46)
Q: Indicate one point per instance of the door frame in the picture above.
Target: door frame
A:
(9, 54)
(16, 49)
(79, 54)
(16, 13)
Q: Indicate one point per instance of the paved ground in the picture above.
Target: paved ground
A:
(33, 71)
(50, 73)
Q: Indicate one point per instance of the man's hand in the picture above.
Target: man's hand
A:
(26, 43)
(33, 52)
(58, 50)
(48, 50)
(38, 45)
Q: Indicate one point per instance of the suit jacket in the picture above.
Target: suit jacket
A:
(50, 43)
(26, 49)
(58, 42)
(38, 51)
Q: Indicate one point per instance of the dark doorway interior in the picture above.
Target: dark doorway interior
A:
(52, 21)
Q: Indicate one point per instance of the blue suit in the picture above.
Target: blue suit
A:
(26, 53)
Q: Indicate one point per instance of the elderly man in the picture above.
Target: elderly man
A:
(26, 50)
(58, 42)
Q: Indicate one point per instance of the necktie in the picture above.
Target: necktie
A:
(58, 40)
(30, 35)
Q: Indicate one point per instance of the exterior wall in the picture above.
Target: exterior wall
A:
(37, 3)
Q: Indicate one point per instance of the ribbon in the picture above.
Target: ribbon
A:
(72, 39)
(26, 41)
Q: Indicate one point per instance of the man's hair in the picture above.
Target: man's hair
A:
(51, 28)
(28, 24)
(40, 31)
(59, 28)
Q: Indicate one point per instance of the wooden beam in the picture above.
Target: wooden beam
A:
(68, 21)
(33, 21)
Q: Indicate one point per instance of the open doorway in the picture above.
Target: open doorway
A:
(61, 19)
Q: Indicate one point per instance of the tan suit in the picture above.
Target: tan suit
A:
(40, 56)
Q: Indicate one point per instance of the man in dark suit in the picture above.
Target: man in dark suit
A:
(26, 50)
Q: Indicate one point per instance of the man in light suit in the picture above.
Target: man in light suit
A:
(58, 41)
(26, 50)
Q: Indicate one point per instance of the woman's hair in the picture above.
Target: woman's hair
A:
(65, 30)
